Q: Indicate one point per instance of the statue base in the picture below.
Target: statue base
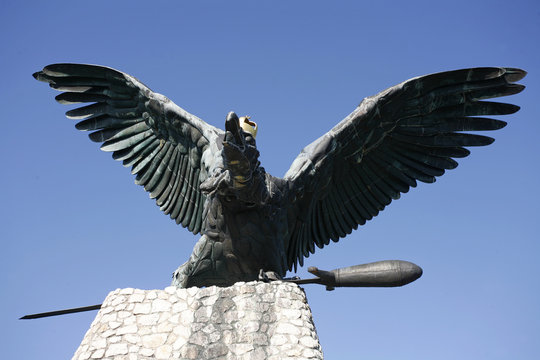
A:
(252, 320)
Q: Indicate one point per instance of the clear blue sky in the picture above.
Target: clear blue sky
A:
(74, 225)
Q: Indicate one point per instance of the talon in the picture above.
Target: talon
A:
(263, 276)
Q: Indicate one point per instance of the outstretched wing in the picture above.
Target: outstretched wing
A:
(170, 150)
(409, 132)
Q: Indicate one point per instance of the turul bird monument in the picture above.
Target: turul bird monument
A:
(256, 226)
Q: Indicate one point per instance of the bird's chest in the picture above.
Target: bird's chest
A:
(251, 236)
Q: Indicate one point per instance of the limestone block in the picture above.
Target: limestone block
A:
(252, 320)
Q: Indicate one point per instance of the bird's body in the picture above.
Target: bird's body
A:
(253, 224)
(240, 238)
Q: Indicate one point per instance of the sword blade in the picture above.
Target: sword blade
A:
(61, 312)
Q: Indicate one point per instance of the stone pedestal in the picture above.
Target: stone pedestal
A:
(252, 320)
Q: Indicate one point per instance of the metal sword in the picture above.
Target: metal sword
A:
(387, 273)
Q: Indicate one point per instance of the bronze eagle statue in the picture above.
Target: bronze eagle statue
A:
(253, 224)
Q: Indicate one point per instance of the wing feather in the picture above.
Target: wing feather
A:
(189, 202)
(133, 149)
(170, 196)
(195, 224)
(318, 235)
(336, 217)
(184, 195)
(352, 203)
(159, 171)
(364, 205)
(152, 171)
(383, 181)
(118, 133)
(143, 152)
(167, 173)
(321, 226)
(177, 200)
(105, 122)
(141, 164)
(165, 185)
(379, 172)
(121, 144)
(344, 207)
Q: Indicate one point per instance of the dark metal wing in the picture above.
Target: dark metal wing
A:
(409, 132)
(170, 150)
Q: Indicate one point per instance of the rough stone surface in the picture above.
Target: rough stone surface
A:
(252, 320)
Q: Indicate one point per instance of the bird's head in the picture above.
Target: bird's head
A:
(240, 131)
(239, 148)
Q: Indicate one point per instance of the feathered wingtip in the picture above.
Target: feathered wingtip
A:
(514, 74)
(40, 76)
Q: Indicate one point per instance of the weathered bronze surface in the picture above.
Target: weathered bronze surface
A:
(211, 182)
